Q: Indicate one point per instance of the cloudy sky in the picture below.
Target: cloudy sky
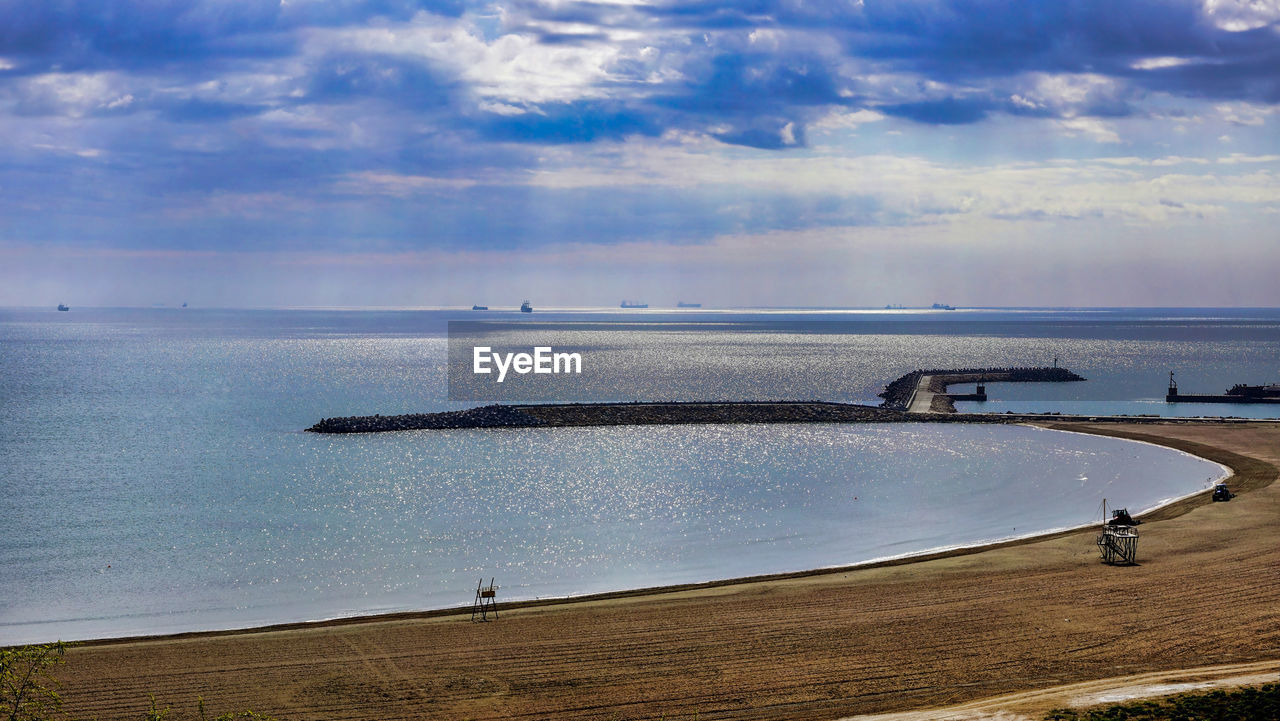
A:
(752, 152)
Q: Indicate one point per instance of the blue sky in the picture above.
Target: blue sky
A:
(838, 153)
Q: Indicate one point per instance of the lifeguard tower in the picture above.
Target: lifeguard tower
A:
(1118, 541)
(486, 601)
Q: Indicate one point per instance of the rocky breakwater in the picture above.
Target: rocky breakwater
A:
(614, 414)
(494, 416)
(619, 414)
(897, 395)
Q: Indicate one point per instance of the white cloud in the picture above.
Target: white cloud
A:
(1237, 158)
(502, 108)
(1242, 15)
(788, 134)
(1022, 102)
(1159, 62)
(1069, 90)
(1096, 129)
(914, 189)
(841, 118)
(1176, 160)
(123, 101)
(1244, 113)
(511, 69)
(73, 94)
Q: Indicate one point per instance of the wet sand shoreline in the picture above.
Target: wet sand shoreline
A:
(451, 679)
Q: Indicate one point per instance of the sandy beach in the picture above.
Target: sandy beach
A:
(957, 629)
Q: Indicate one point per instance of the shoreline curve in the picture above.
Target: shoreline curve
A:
(1163, 511)
(830, 643)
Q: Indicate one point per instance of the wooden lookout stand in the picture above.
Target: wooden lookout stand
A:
(1118, 541)
(486, 601)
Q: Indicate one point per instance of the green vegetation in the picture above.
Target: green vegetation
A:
(1246, 704)
(28, 690)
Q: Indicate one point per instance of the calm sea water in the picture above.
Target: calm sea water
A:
(155, 477)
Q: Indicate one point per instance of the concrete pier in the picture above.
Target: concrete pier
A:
(925, 391)
(922, 399)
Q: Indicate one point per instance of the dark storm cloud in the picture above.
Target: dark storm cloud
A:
(742, 98)
(194, 110)
(755, 99)
(953, 61)
(747, 82)
(161, 102)
(981, 47)
(977, 38)
(576, 122)
(948, 111)
(547, 38)
(97, 35)
(407, 83)
(92, 34)
(766, 134)
(982, 37)
(1252, 74)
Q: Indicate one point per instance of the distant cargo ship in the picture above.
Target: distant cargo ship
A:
(682, 304)
(633, 304)
(63, 306)
(942, 306)
(479, 307)
(526, 307)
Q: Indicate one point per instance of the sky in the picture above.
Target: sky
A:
(751, 153)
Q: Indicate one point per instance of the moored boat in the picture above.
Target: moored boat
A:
(1271, 390)
(1238, 393)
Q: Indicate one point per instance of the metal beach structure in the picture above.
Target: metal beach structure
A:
(486, 601)
(1118, 541)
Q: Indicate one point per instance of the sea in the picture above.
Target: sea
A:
(156, 476)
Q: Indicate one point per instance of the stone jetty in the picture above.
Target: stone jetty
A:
(898, 396)
(614, 414)
(495, 416)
